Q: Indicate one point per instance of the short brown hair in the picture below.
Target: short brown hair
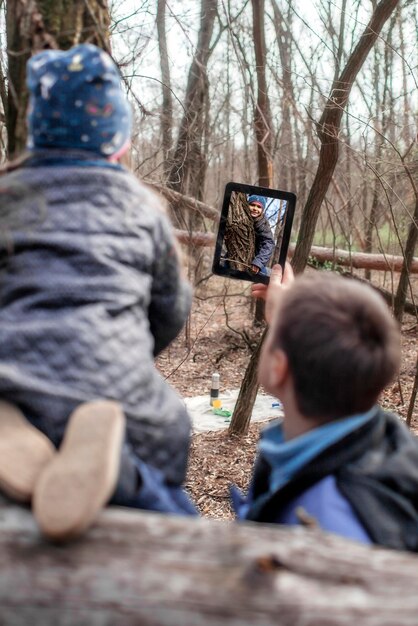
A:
(342, 344)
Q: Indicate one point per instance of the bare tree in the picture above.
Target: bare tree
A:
(262, 114)
(167, 101)
(189, 162)
(328, 130)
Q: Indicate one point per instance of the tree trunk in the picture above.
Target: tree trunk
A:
(285, 177)
(411, 242)
(328, 129)
(262, 114)
(239, 234)
(188, 160)
(263, 128)
(167, 104)
(241, 416)
(33, 26)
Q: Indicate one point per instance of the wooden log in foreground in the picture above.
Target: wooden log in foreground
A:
(356, 260)
(144, 568)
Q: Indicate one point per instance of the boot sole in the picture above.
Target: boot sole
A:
(83, 475)
(24, 453)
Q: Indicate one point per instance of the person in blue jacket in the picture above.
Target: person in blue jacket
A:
(264, 240)
(337, 459)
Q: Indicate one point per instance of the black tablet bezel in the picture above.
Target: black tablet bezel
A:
(279, 194)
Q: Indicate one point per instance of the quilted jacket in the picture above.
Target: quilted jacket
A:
(90, 292)
(264, 242)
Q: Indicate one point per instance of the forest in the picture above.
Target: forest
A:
(316, 105)
(320, 102)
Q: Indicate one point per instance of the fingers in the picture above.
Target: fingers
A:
(259, 290)
(279, 282)
(271, 293)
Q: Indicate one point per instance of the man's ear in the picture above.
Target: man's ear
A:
(279, 369)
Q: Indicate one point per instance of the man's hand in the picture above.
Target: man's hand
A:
(255, 269)
(272, 292)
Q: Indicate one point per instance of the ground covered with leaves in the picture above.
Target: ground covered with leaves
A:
(220, 337)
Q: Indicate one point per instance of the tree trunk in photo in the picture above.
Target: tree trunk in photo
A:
(328, 129)
(239, 234)
(34, 26)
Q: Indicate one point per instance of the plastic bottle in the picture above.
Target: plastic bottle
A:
(214, 390)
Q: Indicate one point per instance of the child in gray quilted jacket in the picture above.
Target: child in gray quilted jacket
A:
(90, 292)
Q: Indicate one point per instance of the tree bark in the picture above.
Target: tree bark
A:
(167, 104)
(35, 25)
(411, 242)
(262, 114)
(135, 567)
(286, 178)
(241, 416)
(328, 129)
(239, 236)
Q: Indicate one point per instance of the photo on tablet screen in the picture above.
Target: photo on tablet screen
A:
(254, 231)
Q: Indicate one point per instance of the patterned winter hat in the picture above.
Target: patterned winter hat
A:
(77, 101)
(260, 200)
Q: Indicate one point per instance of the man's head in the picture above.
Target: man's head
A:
(334, 339)
(257, 204)
(77, 101)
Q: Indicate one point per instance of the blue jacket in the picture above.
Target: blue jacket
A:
(90, 291)
(264, 242)
(363, 485)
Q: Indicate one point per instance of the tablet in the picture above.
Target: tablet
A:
(254, 231)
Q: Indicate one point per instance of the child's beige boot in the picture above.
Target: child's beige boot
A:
(83, 475)
(24, 453)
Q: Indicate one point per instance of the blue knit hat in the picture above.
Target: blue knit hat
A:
(260, 200)
(77, 101)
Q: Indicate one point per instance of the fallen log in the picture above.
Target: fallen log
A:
(359, 260)
(344, 258)
(179, 202)
(143, 568)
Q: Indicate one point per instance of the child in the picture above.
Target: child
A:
(337, 458)
(91, 291)
(264, 241)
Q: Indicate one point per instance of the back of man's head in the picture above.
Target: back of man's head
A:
(342, 345)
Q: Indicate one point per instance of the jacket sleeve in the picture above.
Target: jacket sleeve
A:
(171, 295)
(264, 243)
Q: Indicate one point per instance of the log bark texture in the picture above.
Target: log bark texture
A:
(144, 568)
